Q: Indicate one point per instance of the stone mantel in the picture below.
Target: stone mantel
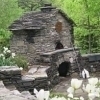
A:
(59, 51)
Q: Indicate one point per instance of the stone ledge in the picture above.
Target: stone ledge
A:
(40, 77)
(58, 51)
(9, 68)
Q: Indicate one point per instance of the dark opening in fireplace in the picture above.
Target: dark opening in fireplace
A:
(64, 68)
(59, 45)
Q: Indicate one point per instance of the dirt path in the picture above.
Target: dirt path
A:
(64, 84)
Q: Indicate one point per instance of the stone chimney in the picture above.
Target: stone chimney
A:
(47, 8)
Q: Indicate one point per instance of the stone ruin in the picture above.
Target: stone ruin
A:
(41, 32)
(35, 78)
(37, 35)
(46, 39)
(39, 76)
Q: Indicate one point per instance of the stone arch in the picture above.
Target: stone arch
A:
(64, 68)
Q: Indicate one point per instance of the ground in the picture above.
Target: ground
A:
(62, 87)
(65, 83)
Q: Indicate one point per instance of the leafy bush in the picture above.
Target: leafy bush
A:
(9, 59)
(4, 38)
(21, 61)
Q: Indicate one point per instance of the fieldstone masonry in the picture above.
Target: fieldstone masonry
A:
(9, 74)
(91, 62)
(44, 76)
(37, 32)
(39, 77)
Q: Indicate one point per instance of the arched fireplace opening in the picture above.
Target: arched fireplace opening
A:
(64, 68)
(59, 45)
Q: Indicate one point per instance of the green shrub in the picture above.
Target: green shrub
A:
(7, 58)
(21, 61)
(5, 36)
(10, 59)
(53, 94)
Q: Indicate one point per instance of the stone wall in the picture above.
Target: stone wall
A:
(44, 40)
(44, 76)
(39, 77)
(55, 59)
(90, 63)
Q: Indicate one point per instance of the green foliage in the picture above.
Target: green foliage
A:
(21, 61)
(53, 94)
(86, 15)
(6, 62)
(9, 11)
(4, 38)
(6, 58)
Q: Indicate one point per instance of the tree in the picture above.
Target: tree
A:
(9, 11)
(86, 15)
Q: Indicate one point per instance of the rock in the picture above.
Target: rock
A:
(1, 84)
(13, 97)
(32, 70)
(16, 92)
(4, 92)
(28, 77)
(28, 95)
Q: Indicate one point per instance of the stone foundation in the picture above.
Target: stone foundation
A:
(43, 76)
(39, 77)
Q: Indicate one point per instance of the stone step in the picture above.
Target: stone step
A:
(38, 76)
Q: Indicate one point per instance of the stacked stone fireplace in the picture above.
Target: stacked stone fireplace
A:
(44, 75)
(41, 32)
(61, 59)
(46, 39)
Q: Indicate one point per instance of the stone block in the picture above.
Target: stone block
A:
(25, 84)
(31, 49)
(28, 78)
(13, 97)
(20, 43)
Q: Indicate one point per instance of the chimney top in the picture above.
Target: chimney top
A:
(47, 4)
(47, 7)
